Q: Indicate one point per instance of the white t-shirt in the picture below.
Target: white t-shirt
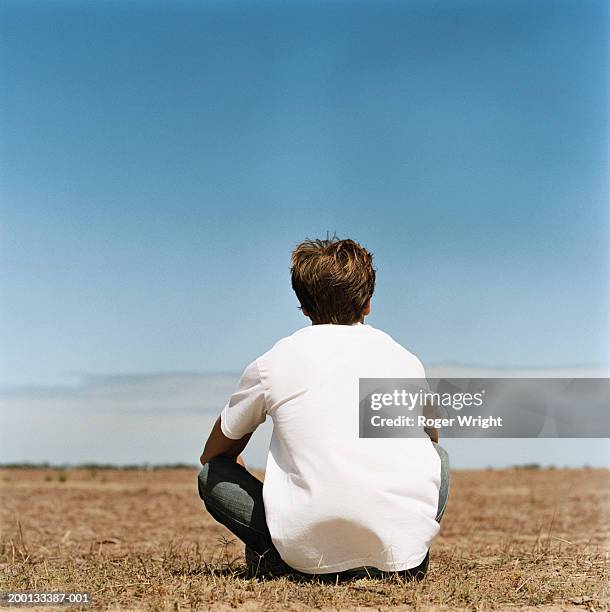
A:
(334, 501)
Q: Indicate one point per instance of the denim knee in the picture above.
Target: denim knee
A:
(443, 454)
(203, 478)
(202, 481)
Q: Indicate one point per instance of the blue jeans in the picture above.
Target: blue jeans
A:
(234, 497)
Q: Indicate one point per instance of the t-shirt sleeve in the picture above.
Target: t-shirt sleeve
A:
(432, 409)
(424, 380)
(246, 408)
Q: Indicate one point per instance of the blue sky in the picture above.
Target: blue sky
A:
(160, 160)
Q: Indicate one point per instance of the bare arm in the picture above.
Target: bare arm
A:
(431, 431)
(218, 445)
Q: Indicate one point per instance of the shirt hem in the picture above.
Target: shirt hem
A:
(397, 566)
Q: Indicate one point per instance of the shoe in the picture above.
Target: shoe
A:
(269, 563)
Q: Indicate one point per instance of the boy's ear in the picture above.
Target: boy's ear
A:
(367, 309)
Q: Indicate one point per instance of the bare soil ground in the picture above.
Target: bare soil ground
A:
(510, 539)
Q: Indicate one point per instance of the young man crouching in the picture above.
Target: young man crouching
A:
(332, 503)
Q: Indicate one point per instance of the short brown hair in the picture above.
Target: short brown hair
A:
(334, 279)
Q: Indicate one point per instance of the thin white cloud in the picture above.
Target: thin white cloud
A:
(189, 393)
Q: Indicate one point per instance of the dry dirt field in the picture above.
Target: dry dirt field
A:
(510, 540)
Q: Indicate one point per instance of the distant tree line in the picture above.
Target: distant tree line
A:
(98, 466)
